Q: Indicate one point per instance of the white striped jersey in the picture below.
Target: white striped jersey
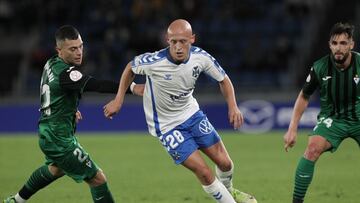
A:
(168, 99)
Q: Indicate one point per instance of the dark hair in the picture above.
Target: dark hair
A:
(342, 28)
(66, 32)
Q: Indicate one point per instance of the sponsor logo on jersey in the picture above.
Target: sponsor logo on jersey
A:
(205, 127)
(196, 72)
(177, 97)
(326, 78)
(356, 79)
(308, 79)
(68, 70)
(75, 75)
(168, 77)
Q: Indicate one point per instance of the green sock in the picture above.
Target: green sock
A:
(40, 178)
(101, 194)
(303, 177)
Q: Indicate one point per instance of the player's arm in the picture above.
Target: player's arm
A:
(227, 89)
(114, 106)
(103, 86)
(74, 79)
(300, 105)
(213, 69)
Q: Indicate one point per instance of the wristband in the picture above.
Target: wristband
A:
(132, 87)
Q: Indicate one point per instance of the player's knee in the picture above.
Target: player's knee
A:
(225, 165)
(55, 171)
(98, 179)
(205, 175)
(312, 152)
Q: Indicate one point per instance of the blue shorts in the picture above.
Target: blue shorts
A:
(195, 133)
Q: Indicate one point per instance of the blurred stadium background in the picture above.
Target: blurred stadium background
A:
(265, 46)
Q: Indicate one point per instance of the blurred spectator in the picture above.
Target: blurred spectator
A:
(242, 35)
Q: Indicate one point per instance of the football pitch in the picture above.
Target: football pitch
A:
(140, 171)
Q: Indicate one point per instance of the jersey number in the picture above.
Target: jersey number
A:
(81, 157)
(327, 122)
(45, 99)
(173, 140)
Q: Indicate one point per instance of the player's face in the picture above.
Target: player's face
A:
(180, 45)
(341, 46)
(71, 51)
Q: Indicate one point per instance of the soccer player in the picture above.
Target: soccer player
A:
(337, 78)
(173, 114)
(62, 84)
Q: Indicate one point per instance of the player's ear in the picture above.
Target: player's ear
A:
(167, 39)
(192, 40)
(57, 49)
(352, 44)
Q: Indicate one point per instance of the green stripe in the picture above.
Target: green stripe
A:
(329, 85)
(346, 93)
(336, 88)
(353, 92)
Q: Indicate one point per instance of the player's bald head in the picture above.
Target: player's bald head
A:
(179, 27)
(180, 38)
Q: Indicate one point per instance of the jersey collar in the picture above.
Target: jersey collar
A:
(169, 58)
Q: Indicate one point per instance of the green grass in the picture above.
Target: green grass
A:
(139, 170)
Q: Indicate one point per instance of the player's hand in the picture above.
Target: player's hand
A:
(289, 139)
(111, 108)
(78, 116)
(236, 118)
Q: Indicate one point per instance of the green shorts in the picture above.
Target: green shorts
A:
(67, 154)
(336, 130)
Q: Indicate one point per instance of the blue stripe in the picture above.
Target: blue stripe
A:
(145, 59)
(217, 196)
(133, 63)
(198, 50)
(150, 58)
(155, 115)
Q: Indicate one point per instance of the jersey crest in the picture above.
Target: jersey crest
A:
(196, 72)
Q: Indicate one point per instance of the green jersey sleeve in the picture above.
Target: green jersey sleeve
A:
(311, 83)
